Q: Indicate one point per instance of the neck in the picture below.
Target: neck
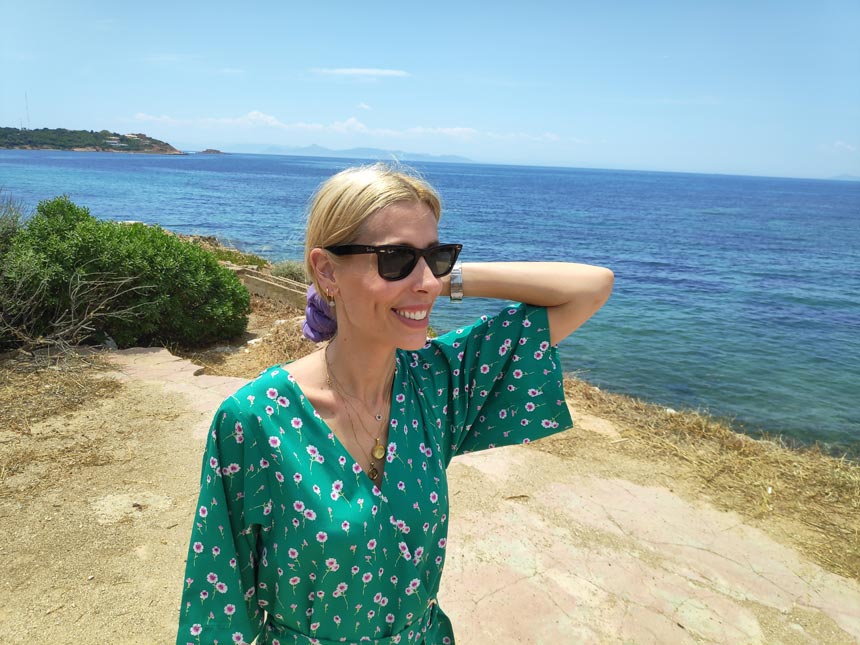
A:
(363, 374)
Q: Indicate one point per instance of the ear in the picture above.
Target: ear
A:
(324, 269)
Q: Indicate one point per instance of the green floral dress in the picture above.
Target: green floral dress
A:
(293, 543)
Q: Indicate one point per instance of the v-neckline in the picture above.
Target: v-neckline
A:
(309, 407)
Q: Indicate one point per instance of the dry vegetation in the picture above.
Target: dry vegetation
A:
(763, 480)
(36, 388)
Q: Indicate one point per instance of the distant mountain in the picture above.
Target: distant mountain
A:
(351, 153)
(846, 178)
(82, 141)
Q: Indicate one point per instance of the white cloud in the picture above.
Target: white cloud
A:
(350, 126)
(363, 106)
(841, 145)
(360, 71)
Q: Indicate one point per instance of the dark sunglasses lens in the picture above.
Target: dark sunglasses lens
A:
(442, 260)
(396, 264)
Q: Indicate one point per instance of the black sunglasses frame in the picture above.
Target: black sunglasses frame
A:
(392, 250)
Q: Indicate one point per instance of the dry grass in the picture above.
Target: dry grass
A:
(33, 389)
(761, 479)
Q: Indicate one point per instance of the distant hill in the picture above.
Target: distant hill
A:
(351, 153)
(82, 140)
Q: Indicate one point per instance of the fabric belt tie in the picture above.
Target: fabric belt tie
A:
(413, 633)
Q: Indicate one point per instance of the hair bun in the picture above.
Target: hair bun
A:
(319, 323)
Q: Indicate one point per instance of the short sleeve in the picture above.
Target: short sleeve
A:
(218, 599)
(502, 381)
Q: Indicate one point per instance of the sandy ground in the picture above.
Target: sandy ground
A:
(586, 546)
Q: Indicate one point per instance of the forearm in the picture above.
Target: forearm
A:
(571, 292)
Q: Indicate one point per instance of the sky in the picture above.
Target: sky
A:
(752, 87)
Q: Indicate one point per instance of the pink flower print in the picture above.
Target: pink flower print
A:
(297, 478)
(533, 392)
(212, 578)
(294, 581)
(340, 589)
(270, 410)
(511, 388)
(434, 497)
(401, 486)
(310, 514)
(400, 398)
(279, 476)
(546, 423)
(503, 414)
(426, 526)
(332, 564)
(312, 451)
(213, 463)
(523, 422)
(404, 551)
(297, 424)
(377, 597)
(275, 442)
(229, 609)
(283, 401)
(221, 587)
(216, 551)
(354, 569)
(342, 461)
(204, 595)
(530, 407)
(238, 427)
(356, 468)
(527, 323)
(336, 620)
(485, 369)
(518, 373)
(233, 563)
(538, 355)
(232, 469)
(544, 346)
(371, 545)
(203, 511)
(196, 628)
(442, 543)
(418, 553)
(264, 463)
(389, 618)
(272, 393)
(506, 323)
(315, 626)
(370, 614)
(345, 526)
(238, 638)
(322, 536)
(198, 547)
(527, 440)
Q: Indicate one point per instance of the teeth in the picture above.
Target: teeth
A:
(412, 315)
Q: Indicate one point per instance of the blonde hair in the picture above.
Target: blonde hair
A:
(346, 200)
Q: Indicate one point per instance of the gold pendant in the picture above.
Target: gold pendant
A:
(378, 450)
(373, 473)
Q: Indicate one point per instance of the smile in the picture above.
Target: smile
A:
(412, 315)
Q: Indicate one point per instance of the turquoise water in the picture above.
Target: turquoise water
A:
(735, 295)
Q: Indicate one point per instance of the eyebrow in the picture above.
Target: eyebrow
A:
(404, 243)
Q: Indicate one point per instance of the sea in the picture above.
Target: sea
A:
(737, 296)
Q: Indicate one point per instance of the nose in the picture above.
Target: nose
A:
(423, 279)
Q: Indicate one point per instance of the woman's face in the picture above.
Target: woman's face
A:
(389, 313)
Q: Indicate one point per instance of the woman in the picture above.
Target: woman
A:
(324, 503)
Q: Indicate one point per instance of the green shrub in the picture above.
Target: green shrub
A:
(291, 269)
(171, 291)
(237, 257)
(11, 220)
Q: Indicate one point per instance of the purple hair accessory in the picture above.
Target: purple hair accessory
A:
(319, 323)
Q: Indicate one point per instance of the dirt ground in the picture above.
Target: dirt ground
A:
(97, 498)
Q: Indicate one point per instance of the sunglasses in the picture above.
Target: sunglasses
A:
(396, 261)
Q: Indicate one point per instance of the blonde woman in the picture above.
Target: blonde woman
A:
(323, 509)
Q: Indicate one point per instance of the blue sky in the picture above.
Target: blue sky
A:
(765, 88)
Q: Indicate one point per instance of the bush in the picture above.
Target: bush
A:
(138, 284)
(291, 269)
(11, 220)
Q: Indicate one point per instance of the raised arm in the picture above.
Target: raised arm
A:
(571, 292)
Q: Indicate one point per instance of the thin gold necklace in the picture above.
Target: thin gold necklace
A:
(378, 450)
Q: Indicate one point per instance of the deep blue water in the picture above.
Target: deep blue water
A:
(735, 295)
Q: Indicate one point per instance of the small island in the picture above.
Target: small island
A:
(82, 141)
(210, 151)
